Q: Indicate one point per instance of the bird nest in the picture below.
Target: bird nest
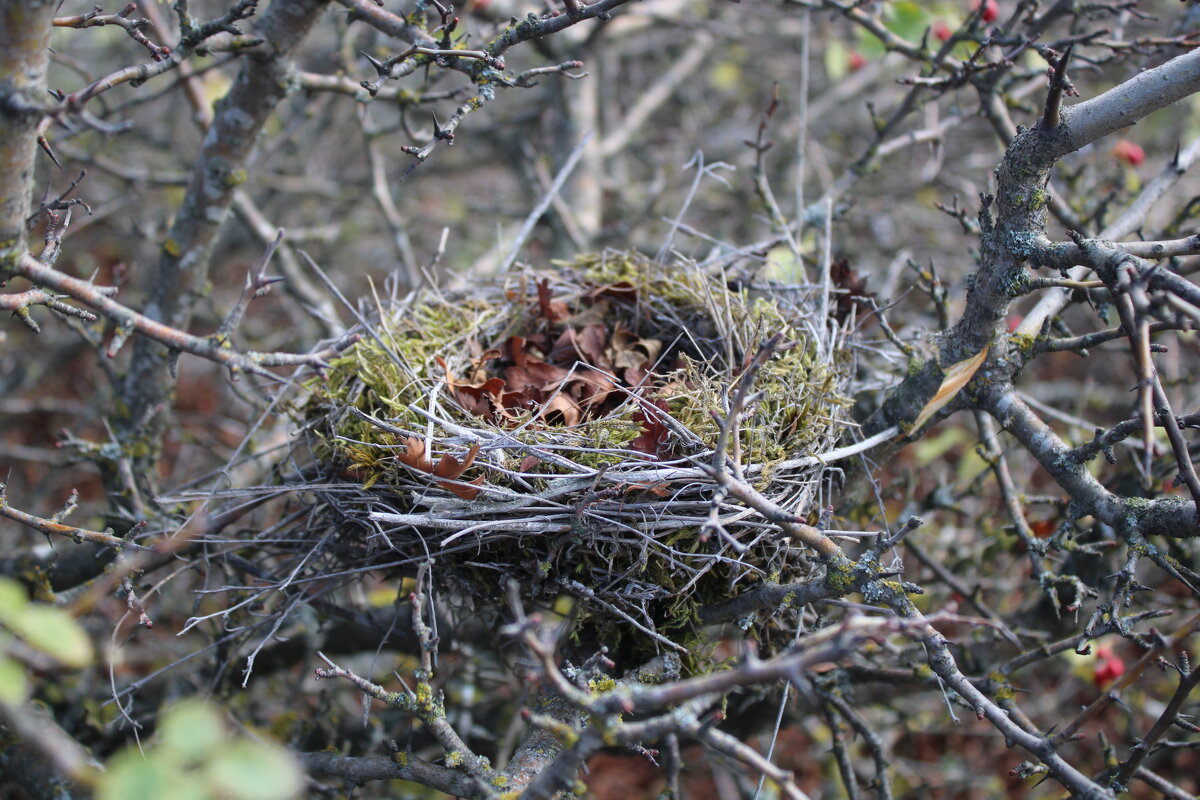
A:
(558, 429)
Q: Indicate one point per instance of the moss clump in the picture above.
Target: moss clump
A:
(552, 427)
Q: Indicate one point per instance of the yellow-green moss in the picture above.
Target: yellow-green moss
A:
(601, 685)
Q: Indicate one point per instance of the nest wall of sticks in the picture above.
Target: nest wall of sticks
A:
(560, 429)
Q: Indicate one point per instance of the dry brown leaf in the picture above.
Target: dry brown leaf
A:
(624, 290)
(957, 376)
(414, 455)
(535, 377)
(552, 310)
(654, 432)
(479, 362)
(853, 289)
(467, 492)
(656, 488)
(516, 350)
(561, 404)
(480, 399)
(451, 469)
(627, 349)
(512, 403)
(585, 345)
(590, 387)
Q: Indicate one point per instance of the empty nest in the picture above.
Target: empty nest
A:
(555, 429)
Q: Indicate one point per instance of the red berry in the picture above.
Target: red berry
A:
(857, 61)
(1108, 672)
(941, 30)
(1129, 152)
(991, 10)
(1109, 667)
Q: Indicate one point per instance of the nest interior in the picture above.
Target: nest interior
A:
(553, 428)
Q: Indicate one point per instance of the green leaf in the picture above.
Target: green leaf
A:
(783, 266)
(54, 632)
(192, 731)
(837, 60)
(868, 43)
(13, 599)
(250, 770)
(132, 776)
(908, 20)
(14, 686)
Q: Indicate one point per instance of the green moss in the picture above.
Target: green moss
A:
(1002, 689)
(1024, 343)
(839, 578)
(601, 685)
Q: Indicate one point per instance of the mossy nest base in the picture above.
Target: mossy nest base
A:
(555, 428)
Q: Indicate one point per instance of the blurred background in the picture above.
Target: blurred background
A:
(674, 96)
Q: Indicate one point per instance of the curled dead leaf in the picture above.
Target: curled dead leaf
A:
(550, 309)
(956, 377)
(563, 405)
(452, 469)
(653, 433)
(415, 456)
(628, 350)
(448, 467)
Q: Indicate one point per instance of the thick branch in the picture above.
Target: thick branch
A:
(403, 766)
(1127, 103)
(1167, 516)
(24, 53)
(1020, 224)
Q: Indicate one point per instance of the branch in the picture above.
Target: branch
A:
(262, 82)
(24, 55)
(1167, 516)
(1125, 104)
(400, 766)
(1020, 224)
(54, 526)
(1187, 682)
(213, 348)
(389, 23)
(123, 19)
(533, 27)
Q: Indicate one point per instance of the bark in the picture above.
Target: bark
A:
(24, 54)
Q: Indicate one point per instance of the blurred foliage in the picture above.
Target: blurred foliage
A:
(196, 758)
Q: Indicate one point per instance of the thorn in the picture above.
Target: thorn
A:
(380, 68)
(1058, 84)
(45, 145)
